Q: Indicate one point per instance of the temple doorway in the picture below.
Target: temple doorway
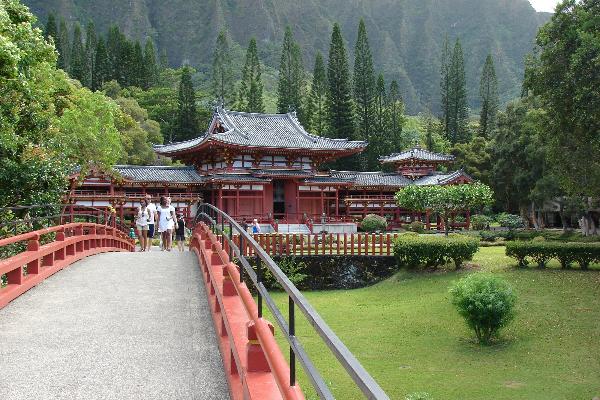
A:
(278, 199)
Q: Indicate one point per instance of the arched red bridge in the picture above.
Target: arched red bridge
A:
(149, 325)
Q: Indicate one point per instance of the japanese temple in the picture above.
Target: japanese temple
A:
(267, 166)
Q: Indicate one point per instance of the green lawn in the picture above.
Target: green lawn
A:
(407, 335)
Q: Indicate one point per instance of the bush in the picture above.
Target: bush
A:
(488, 236)
(373, 223)
(416, 226)
(509, 221)
(486, 302)
(480, 222)
(433, 251)
(543, 251)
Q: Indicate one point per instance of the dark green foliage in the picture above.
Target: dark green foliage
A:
(509, 221)
(339, 95)
(51, 30)
(480, 222)
(291, 76)
(79, 66)
(91, 43)
(222, 71)
(395, 105)
(445, 65)
(456, 97)
(101, 71)
(541, 252)
(373, 223)
(416, 226)
(187, 120)
(414, 251)
(488, 91)
(137, 68)
(475, 157)
(364, 85)
(63, 46)
(150, 67)
(250, 94)
(486, 302)
(317, 101)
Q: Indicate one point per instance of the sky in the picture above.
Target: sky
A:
(544, 5)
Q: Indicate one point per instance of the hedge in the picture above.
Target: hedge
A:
(543, 251)
(430, 251)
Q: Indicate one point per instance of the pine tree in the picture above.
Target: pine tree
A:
(291, 76)
(63, 46)
(379, 143)
(126, 62)
(459, 110)
(339, 95)
(113, 51)
(380, 107)
(250, 96)
(445, 85)
(150, 72)
(137, 66)
(187, 119)
(78, 59)
(51, 30)
(488, 90)
(91, 41)
(317, 101)
(395, 106)
(163, 60)
(102, 70)
(222, 71)
(364, 83)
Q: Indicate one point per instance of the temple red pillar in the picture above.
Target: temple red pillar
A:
(322, 202)
(220, 199)
(427, 222)
(337, 202)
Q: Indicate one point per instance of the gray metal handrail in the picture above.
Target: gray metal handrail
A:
(370, 388)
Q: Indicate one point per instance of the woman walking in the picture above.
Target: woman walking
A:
(166, 223)
(141, 222)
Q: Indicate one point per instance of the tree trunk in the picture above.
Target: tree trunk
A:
(446, 225)
(533, 216)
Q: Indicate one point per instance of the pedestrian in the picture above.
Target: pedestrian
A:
(166, 223)
(180, 232)
(255, 226)
(141, 222)
(153, 217)
(245, 225)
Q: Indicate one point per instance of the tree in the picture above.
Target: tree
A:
(91, 42)
(63, 46)
(395, 106)
(457, 98)
(187, 120)
(564, 75)
(364, 83)
(250, 95)
(101, 71)
(445, 65)
(222, 71)
(78, 66)
(291, 76)
(317, 102)
(379, 143)
(136, 73)
(51, 30)
(150, 67)
(488, 90)
(475, 157)
(445, 200)
(339, 95)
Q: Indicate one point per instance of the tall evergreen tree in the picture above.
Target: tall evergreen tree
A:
(63, 46)
(150, 72)
(250, 96)
(488, 90)
(78, 65)
(395, 106)
(91, 41)
(102, 69)
(459, 110)
(291, 76)
(379, 143)
(380, 107)
(51, 30)
(113, 51)
(222, 71)
(187, 118)
(364, 83)
(317, 101)
(445, 85)
(339, 95)
(137, 66)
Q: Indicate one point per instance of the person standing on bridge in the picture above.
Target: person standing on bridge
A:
(166, 223)
(255, 226)
(141, 221)
(153, 217)
(180, 232)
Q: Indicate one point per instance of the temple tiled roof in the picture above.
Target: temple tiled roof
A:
(281, 131)
(381, 179)
(156, 173)
(416, 153)
(232, 177)
(440, 179)
(282, 172)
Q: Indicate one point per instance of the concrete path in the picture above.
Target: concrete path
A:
(113, 326)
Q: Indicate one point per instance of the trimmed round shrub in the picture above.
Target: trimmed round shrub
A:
(510, 221)
(480, 222)
(373, 223)
(416, 226)
(486, 302)
(413, 251)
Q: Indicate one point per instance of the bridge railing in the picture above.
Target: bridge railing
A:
(251, 271)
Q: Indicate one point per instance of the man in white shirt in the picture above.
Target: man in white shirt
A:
(153, 217)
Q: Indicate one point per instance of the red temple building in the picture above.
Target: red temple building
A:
(266, 166)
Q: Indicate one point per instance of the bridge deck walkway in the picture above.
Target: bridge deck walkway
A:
(113, 326)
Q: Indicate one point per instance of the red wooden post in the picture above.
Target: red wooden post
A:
(330, 244)
(323, 243)
(294, 244)
(388, 244)
(359, 249)
(381, 243)
(301, 244)
(33, 244)
(372, 244)
(352, 243)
